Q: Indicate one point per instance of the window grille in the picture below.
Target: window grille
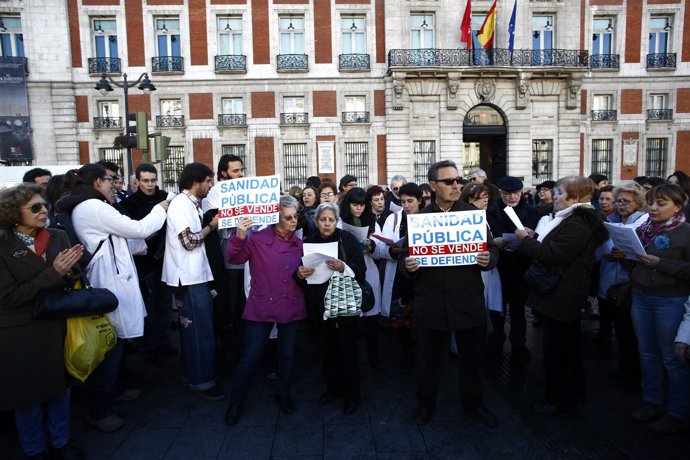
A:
(602, 152)
(656, 157)
(238, 150)
(173, 166)
(295, 165)
(116, 156)
(424, 157)
(357, 161)
(542, 159)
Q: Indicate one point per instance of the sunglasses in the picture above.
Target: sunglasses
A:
(290, 218)
(456, 180)
(37, 207)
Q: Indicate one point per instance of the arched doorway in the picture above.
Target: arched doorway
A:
(484, 133)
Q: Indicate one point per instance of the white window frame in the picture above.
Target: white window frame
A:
(232, 105)
(230, 40)
(292, 27)
(171, 107)
(350, 43)
(171, 32)
(16, 35)
(108, 33)
(422, 25)
(294, 104)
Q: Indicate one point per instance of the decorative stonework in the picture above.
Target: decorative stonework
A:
(485, 89)
(522, 91)
(453, 85)
(398, 86)
(574, 84)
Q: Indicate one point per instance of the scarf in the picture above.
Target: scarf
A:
(650, 230)
(548, 223)
(38, 244)
(282, 235)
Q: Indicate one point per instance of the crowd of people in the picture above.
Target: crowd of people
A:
(243, 295)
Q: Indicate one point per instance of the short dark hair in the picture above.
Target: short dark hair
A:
(314, 181)
(596, 178)
(109, 165)
(667, 191)
(346, 179)
(223, 163)
(373, 191)
(328, 184)
(432, 175)
(145, 167)
(193, 173)
(473, 191)
(87, 174)
(683, 180)
(12, 199)
(55, 188)
(653, 181)
(32, 174)
(411, 189)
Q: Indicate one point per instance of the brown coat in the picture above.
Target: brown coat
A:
(31, 351)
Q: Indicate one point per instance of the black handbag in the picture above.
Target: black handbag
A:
(541, 278)
(620, 295)
(69, 302)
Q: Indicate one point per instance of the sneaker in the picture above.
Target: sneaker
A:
(107, 424)
(129, 395)
(212, 394)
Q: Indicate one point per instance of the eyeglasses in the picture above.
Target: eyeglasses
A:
(38, 207)
(110, 178)
(474, 179)
(516, 192)
(483, 197)
(623, 202)
(326, 194)
(148, 181)
(456, 180)
(290, 217)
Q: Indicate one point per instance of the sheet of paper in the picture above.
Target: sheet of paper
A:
(510, 212)
(626, 239)
(315, 256)
(361, 233)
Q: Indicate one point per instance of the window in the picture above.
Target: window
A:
(233, 105)
(172, 168)
(601, 102)
(230, 36)
(659, 35)
(171, 114)
(357, 161)
(105, 38)
(480, 55)
(236, 149)
(354, 35)
(291, 35)
(602, 151)
(108, 115)
(171, 107)
(658, 108)
(422, 31)
(11, 37)
(116, 156)
(233, 112)
(655, 164)
(657, 101)
(602, 36)
(542, 158)
(424, 153)
(542, 40)
(293, 104)
(295, 161)
(602, 108)
(169, 57)
(355, 110)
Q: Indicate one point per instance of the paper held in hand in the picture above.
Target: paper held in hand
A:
(510, 212)
(625, 238)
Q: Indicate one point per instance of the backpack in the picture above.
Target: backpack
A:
(63, 221)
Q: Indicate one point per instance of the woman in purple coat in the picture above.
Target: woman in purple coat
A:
(274, 255)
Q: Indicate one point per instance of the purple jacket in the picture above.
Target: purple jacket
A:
(274, 296)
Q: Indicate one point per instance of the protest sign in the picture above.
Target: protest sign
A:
(255, 197)
(447, 238)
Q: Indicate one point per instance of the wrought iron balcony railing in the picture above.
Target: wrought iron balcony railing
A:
(231, 63)
(101, 65)
(294, 118)
(162, 64)
(353, 62)
(15, 60)
(170, 121)
(293, 62)
(604, 115)
(107, 123)
(660, 114)
(432, 57)
(355, 117)
(232, 119)
(661, 61)
(605, 61)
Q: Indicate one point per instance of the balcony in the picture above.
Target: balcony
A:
(293, 63)
(101, 65)
(232, 119)
(170, 121)
(355, 117)
(353, 62)
(107, 123)
(661, 61)
(605, 62)
(659, 114)
(167, 64)
(431, 57)
(231, 63)
(16, 60)
(604, 115)
(294, 118)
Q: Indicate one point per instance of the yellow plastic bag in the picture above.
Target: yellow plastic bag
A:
(88, 339)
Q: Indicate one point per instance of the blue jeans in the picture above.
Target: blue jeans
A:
(256, 338)
(102, 385)
(197, 340)
(656, 321)
(51, 416)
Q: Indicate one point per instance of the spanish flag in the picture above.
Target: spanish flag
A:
(485, 36)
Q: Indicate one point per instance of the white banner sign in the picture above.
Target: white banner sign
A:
(254, 197)
(447, 238)
(326, 157)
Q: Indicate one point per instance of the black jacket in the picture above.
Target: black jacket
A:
(449, 298)
(511, 264)
(137, 206)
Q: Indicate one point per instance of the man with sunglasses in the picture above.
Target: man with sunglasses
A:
(511, 266)
(449, 300)
(393, 196)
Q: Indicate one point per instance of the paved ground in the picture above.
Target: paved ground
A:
(170, 422)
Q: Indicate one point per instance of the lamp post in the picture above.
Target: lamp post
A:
(146, 86)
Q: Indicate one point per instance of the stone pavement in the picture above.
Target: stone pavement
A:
(170, 422)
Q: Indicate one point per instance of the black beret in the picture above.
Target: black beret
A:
(509, 184)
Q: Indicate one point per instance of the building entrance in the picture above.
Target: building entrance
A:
(485, 136)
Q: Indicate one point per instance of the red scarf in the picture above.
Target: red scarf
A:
(282, 235)
(41, 242)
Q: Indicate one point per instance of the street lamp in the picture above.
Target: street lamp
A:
(146, 86)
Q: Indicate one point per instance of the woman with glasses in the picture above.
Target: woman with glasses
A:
(660, 287)
(274, 255)
(34, 259)
(104, 233)
(629, 203)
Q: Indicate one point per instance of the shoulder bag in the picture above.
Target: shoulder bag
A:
(368, 299)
